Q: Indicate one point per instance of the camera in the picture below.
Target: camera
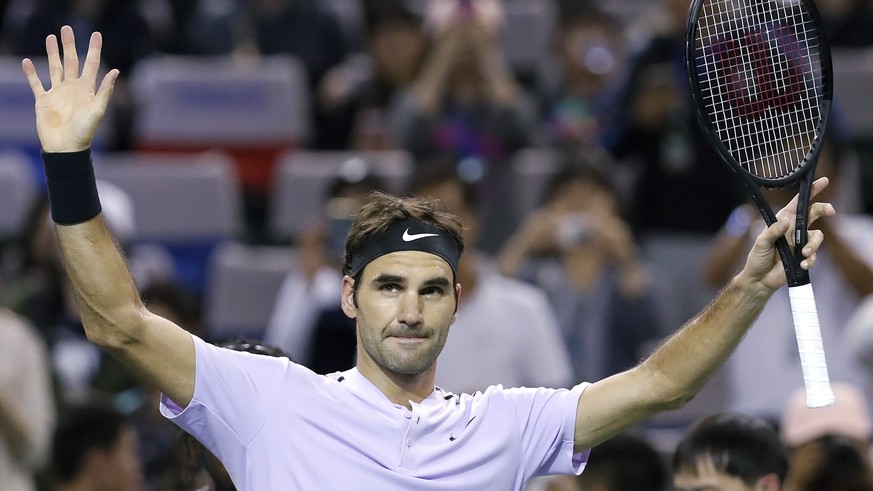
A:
(574, 229)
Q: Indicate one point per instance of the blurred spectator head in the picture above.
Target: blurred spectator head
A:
(344, 196)
(441, 181)
(581, 186)
(95, 448)
(395, 39)
(848, 417)
(829, 446)
(830, 463)
(624, 462)
(590, 46)
(730, 451)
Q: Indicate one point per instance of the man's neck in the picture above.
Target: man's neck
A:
(398, 388)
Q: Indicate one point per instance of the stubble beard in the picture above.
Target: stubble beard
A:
(402, 361)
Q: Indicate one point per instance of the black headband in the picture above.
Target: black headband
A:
(406, 235)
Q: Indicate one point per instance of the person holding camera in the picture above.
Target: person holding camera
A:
(582, 253)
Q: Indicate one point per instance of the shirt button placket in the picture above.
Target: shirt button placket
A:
(407, 455)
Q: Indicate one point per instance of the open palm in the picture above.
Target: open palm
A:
(68, 113)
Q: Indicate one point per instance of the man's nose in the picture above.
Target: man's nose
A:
(410, 310)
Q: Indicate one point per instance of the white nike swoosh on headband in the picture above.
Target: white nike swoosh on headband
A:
(407, 237)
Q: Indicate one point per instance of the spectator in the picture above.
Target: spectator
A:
(307, 321)
(844, 277)
(580, 250)
(625, 463)
(467, 105)
(514, 320)
(682, 186)
(94, 449)
(829, 446)
(590, 50)
(396, 46)
(730, 451)
(466, 102)
(27, 410)
(35, 287)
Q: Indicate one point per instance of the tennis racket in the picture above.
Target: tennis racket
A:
(761, 83)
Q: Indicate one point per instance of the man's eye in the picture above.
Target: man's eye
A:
(390, 287)
(432, 290)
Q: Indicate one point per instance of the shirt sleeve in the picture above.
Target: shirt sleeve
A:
(233, 394)
(546, 421)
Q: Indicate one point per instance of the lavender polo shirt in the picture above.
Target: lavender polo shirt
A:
(276, 425)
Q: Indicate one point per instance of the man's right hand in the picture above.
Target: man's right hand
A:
(68, 113)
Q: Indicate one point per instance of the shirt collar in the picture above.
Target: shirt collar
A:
(356, 382)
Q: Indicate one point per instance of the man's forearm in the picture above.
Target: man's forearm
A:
(104, 288)
(688, 358)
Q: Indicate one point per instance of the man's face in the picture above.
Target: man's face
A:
(709, 478)
(405, 305)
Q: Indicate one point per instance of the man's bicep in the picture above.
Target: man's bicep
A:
(164, 356)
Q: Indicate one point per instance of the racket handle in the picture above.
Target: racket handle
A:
(812, 355)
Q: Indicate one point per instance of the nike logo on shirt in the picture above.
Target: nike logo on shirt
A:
(407, 237)
(452, 436)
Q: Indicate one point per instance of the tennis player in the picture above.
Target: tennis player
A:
(382, 425)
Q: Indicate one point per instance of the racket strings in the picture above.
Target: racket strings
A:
(760, 79)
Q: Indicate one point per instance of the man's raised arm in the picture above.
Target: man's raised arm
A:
(112, 312)
(684, 362)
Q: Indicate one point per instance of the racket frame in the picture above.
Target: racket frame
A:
(805, 172)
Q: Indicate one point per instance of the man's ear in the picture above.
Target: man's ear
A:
(348, 301)
(770, 482)
(457, 301)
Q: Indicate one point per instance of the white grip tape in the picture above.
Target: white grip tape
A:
(812, 356)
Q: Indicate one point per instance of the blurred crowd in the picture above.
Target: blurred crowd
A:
(627, 233)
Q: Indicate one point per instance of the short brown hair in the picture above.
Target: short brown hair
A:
(383, 210)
